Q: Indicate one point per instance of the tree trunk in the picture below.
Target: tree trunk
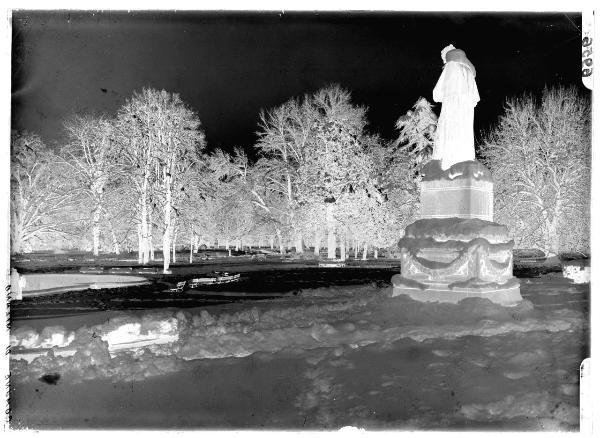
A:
(151, 244)
(191, 247)
(16, 235)
(272, 241)
(116, 247)
(96, 229)
(552, 234)
(174, 252)
(356, 245)
(364, 257)
(166, 250)
(280, 242)
(317, 249)
(331, 245)
(168, 230)
(150, 236)
(143, 251)
(140, 243)
(17, 246)
(196, 243)
(299, 245)
(342, 249)
(375, 253)
(227, 244)
(553, 237)
(330, 232)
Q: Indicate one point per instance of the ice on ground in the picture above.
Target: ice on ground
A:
(51, 283)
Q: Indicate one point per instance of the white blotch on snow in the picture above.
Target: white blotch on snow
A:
(352, 429)
(577, 272)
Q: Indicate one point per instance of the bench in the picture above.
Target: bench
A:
(179, 287)
(91, 269)
(147, 271)
(121, 270)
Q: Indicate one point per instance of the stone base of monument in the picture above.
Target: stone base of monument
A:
(450, 259)
(465, 190)
(506, 294)
(459, 254)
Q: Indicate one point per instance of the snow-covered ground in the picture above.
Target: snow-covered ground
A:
(328, 358)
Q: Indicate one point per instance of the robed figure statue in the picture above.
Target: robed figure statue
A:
(457, 90)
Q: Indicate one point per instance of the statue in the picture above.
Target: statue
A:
(455, 250)
(457, 90)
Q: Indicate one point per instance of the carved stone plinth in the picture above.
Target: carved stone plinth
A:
(462, 253)
(463, 198)
(465, 191)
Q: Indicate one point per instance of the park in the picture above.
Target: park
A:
(434, 275)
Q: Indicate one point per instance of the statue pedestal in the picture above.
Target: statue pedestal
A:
(464, 198)
(455, 251)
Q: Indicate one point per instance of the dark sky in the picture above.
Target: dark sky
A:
(228, 65)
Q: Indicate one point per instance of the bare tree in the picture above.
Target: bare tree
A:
(42, 196)
(137, 155)
(232, 187)
(90, 158)
(120, 219)
(336, 164)
(179, 138)
(539, 155)
(161, 138)
(285, 133)
(314, 155)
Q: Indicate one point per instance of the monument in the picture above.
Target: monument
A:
(455, 250)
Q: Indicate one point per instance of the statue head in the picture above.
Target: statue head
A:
(445, 50)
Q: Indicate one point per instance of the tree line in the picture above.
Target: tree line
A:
(143, 178)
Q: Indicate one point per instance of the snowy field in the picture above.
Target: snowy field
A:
(325, 358)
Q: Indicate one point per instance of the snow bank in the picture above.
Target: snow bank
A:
(432, 171)
(453, 228)
(578, 271)
(125, 332)
(55, 336)
(135, 347)
(387, 320)
(121, 332)
(93, 361)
